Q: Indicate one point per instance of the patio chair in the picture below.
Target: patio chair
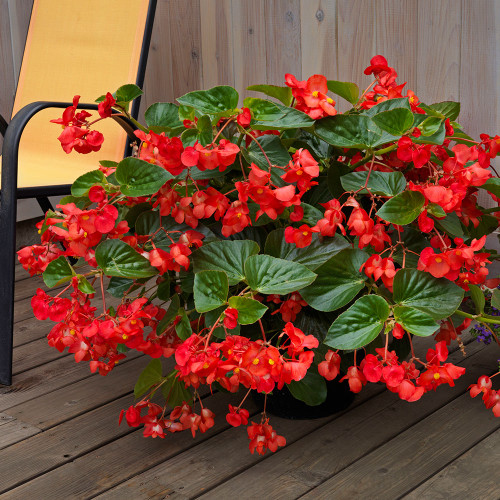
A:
(85, 48)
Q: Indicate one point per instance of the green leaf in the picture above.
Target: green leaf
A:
(446, 109)
(273, 116)
(84, 286)
(140, 178)
(451, 224)
(118, 286)
(436, 137)
(396, 121)
(183, 328)
(492, 186)
(170, 315)
(213, 101)
(415, 321)
(127, 93)
(435, 210)
(163, 290)
(401, 102)
(339, 281)
(360, 324)
(402, 208)
(227, 256)
(336, 170)
(175, 392)
(430, 125)
(204, 128)
(311, 389)
(438, 297)
(349, 131)
(349, 91)
(268, 275)
(312, 256)
(283, 94)
(382, 183)
(210, 290)
(57, 272)
(477, 296)
(117, 258)
(249, 310)
(495, 298)
(82, 185)
(163, 117)
(150, 376)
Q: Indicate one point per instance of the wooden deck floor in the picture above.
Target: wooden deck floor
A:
(59, 439)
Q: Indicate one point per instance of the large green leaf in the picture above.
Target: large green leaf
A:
(117, 258)
(210, 290)
(415, 321)
(175, 392)
(349, 91)
(150, 376)
(311, 389)
(140, 178)
(339, 281)
(478, 298)
(213, 101)
(401, 102)
(82, 185)
(273, 116)
(396, 121)
(360, 324)
(445, 109)
(268, 275)
(170, 315)
(349, 131)
(382, 183)
(283, 94)
(492, 186)
(227, 256)
(127, 93)
(118, 286)
(402, 208)
(57, 272)
(438, 297)
(163, 117)
(249, 310)
(451, 224)
(312, 256)
(183, 328)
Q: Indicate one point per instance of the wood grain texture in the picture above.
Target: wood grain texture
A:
(158, 81)
(356, 33)
(472, 476)
(318, 36)
(185, 46)
(249, 45)
(438, 55)
(283, 39)
(14, 431)
(397, 38)
(217, 43)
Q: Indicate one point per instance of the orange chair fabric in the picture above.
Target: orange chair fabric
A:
(85, 48)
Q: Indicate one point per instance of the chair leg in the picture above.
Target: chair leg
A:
(7, 278)
(44, 203)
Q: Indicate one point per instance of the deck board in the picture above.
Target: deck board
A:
(59, 438)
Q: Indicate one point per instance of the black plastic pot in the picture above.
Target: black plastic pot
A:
(283, 404)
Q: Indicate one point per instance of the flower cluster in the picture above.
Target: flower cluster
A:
(257, 247)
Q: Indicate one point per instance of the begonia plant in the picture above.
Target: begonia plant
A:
(277, 244)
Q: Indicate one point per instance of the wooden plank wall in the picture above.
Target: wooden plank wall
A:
(445, 49)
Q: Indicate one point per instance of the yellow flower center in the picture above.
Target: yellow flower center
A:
(437, 376)
(439, 259)
(125, 336)
(255, 361)
(271, 362)
(72, 332)
(205, 366)
(300, 172)
(305, 233)
(329, 100)
(315, 93)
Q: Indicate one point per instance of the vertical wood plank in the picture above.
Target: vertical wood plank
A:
(6, 63)
(318, 36)
(185, 44)
(356, 41)
(19, 13)
(217, 43)
(397, 38)
(249, 36)
(158, 82)
(282, 40)
(438, 54)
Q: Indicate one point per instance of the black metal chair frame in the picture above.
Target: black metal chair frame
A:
(10, 193)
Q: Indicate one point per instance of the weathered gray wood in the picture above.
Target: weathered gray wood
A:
(473, 476)
(136, 455)
(321, 454)
(34, 354)
(82, 396)
(31, 329)
(15, 431)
